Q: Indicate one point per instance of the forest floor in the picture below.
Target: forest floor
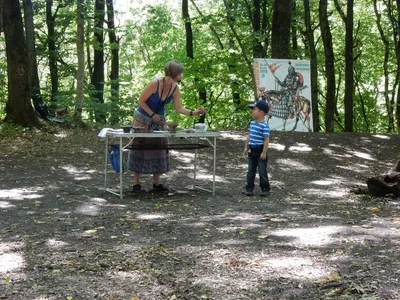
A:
(63, 237)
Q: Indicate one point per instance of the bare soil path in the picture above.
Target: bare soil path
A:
(63, 237)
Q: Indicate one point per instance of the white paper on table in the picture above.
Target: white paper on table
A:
(104, 131)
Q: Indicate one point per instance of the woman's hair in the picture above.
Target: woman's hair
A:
(173, 68)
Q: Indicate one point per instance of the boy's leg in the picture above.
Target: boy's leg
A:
(251, 174)
(263, 172)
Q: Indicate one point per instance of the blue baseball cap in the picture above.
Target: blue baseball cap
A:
(261, 104)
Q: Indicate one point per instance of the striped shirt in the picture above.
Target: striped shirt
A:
(258, 131)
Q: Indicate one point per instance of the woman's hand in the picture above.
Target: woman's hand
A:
(156, 118)
(201, 110)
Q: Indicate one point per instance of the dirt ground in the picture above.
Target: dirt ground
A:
(63, 237)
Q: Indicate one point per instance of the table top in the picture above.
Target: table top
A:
(119, 133)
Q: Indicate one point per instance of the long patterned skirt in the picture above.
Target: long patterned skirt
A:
(151, 160)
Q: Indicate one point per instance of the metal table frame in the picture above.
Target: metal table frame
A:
(209, 136)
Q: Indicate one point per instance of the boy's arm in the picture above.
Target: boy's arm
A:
(265, 148)
(246, 145)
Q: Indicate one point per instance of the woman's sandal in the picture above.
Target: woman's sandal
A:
(161, 188)
(136, 188)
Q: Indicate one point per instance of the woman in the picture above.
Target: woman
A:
(151, 114)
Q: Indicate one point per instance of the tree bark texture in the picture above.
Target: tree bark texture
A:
(281, 25)
(31, 48)
(313, 65)
(189, 51)
(114, 74)
(97, 79)
(387, 184)
(329, 66)
(80, 74)
(51, 44)
(349, 75)
(19, 108)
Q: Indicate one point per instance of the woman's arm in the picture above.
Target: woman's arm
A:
(185, 111)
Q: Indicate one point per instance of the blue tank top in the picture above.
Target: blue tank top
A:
(155, 103)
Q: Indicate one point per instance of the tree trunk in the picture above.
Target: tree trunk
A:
(230, 19)
(329, 66)
(258, 50)
(80, 74)
(349, 76)
(397, 45)
(189, 51)
(32, 61)
(97, 79)
(386, 45)
(51, 44)
(313, 65)
(114, 74)
(281, 24)
(387, 184)
(19, 108)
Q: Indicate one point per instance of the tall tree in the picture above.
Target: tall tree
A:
(313, 65)
(80, 48)
(31, 51)
(386, 55)
(190, 53)
(51, 44)
(349, 75)
(114, 74)
(396, 40)
(19, 108)
(281, 24)
(329, 66)
(97, 79)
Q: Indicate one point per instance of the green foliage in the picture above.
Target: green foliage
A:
(153, 34)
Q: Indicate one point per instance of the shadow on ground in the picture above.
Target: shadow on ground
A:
(62, 235)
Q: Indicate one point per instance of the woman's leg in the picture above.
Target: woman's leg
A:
(156, 178)
(136, 178)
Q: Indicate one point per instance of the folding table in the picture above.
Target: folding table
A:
(209, 136)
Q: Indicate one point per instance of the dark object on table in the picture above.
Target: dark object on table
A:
(172, 125)
(126, 128)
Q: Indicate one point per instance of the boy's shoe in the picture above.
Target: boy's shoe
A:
(249, 193)
(264, 193)
(136, 188)
(161, 188)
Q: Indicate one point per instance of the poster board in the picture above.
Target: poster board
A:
(286, 86)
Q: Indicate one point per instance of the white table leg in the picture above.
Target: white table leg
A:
(105, 164)
(214, 167)
(121, 168)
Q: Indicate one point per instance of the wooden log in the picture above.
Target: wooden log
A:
(386, 184)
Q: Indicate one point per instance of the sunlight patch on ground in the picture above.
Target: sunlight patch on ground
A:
(362, 155)
(151, 216)
(61, 135)
(318, 236)
(329, 181)
(300, 147)
(333, 154)
(55, 244)
(232, 136)
(325, 193)
(276, 146)
(291, 164)
(379, 136)
(357, 168)
(19, 194)
(295, 267)
(6, 204)
(88, 209)
(11, 262)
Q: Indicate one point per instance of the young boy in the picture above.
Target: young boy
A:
(256, 147)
